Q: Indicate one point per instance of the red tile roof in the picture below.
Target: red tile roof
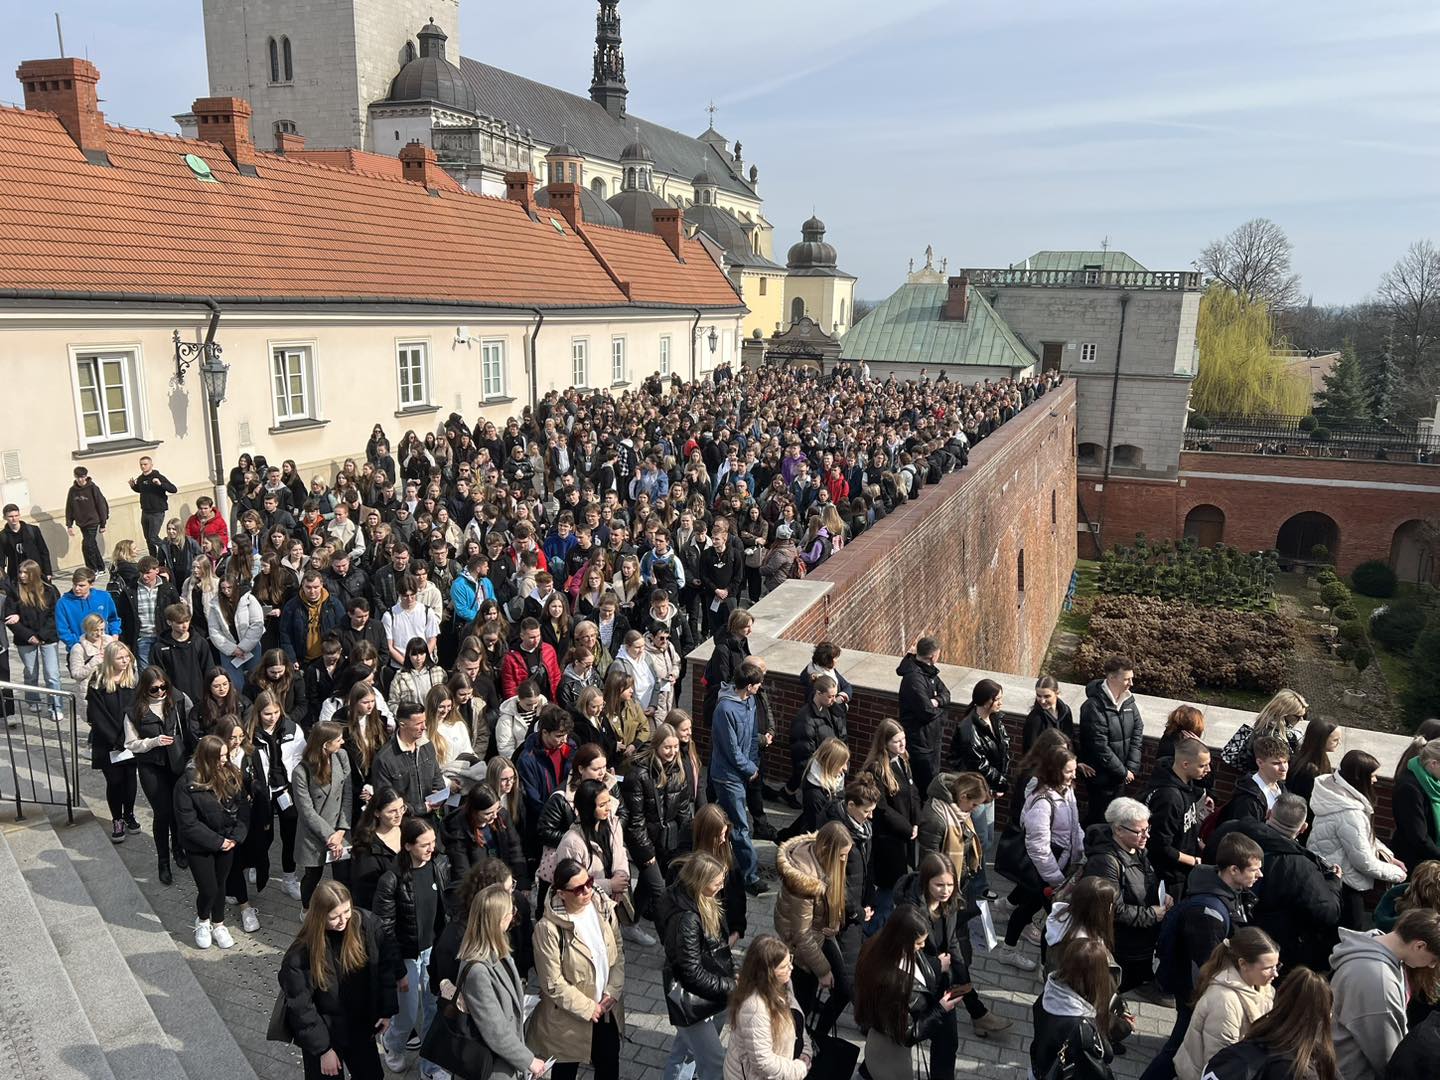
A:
(655, 275)
(298, 229)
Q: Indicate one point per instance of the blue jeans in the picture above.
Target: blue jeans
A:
(417, 1009)
(700, 1042)
(38, 660)
(730, 793)
(884, 905)
(145, 644)
(984, 820)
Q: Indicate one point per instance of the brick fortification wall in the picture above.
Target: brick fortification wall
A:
(948, 564)
(1368, 500)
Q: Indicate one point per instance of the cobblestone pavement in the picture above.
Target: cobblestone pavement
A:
(241, 981)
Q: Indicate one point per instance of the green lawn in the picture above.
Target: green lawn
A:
(1075, 620)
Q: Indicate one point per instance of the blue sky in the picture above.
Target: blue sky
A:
(987, 129)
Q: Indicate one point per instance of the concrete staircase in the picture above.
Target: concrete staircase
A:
(91, 985)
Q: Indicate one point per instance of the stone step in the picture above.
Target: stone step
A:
(44, 1032)
(135, 1045)
(198, 1036)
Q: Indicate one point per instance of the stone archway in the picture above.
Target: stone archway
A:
(1412, 553)
(1205, 524)
(1304, 531)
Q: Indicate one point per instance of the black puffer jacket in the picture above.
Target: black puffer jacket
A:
(1038, 720)
(1111, 736)
(924, 698)
(657, 815)
(859, 873)
(345, 1014)
(463, 850)
(700, 963)
(395, 906)
(1136, 924)
(205, 821)
(811, 726)
(982, 746)
(557, 814)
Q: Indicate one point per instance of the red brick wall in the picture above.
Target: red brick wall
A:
(868, 708)
(948, 563)
(1365, 513)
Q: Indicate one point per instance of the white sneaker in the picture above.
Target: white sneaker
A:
(1010, 954)
(203, 933)
(221, 936)
(291, 884)
(394, 1063)
(249, 919)
(637, 935)
(1031, 934)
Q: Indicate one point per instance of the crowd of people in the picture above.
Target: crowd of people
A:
(453, 676)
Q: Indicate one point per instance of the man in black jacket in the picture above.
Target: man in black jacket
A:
(1257, 793)
(406, 763)
(1299, 898)
(721, 564)
(154, 491)
(87, 507)
(1178, 804)
(924, 698)
(19, 540)
(1112, 736)
(345, 581)
(1218, 901)
(183, 656)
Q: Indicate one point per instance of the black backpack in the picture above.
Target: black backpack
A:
(1167, 970)
(1242, 1061)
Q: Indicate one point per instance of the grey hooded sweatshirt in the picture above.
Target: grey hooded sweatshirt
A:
(1369, 985)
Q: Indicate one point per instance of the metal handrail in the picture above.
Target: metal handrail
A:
(30, 746)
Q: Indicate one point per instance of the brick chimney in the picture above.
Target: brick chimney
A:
(566, 199)
(520, 187)
(957, 304)
(670, 227)
(419, 163)
(226, 120)
(286, 143)
(66, 87)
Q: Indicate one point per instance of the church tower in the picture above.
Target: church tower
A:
(608, 86)
(313, 68)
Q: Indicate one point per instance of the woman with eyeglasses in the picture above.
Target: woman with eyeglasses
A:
(763, 1038)
(158, 733)
(1235, 988)
(581, 969)
(1117, 852)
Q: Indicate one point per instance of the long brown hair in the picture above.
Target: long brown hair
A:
(1299, 1025)
(1249, 944)
(886, 969)
(32, 586)
(279, 687)
(316, 759)
(1092, 911)
(213, 771)
(877, 761)
(369, 740)
(263, 700)
(757, 979)
(675, 717)
(707, 829)
(510, 804)
(329, 895)
(1085, 968)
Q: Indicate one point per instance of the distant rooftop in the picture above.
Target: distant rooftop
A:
(908, 328)
(1078, 260)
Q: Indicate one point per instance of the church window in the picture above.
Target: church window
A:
(597, 185)
(764, 285)
(286, 127)
(274, 60)
(409, 51)
(573, 174)
(285, 54)
(797, 309)
(842, 313)
(397, 136)
(629, 178)
(1088, 350)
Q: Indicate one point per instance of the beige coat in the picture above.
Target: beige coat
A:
(560, 1025)
(755, 1052)
(573, 846)
(801, 911)
(1223, 1016)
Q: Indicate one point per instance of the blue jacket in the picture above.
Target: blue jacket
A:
(293, 623)
(557, 550)
(466, 594)
(70, 614)
(735, 741)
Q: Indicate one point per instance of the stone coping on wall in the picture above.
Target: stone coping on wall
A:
(875, 672)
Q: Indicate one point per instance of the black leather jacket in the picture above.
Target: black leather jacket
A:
(701, 964)
(982, 746)
(395, 907)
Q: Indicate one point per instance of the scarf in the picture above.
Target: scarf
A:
(1430, 786)
(312, 625)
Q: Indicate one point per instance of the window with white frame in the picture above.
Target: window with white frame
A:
(665, 355)
(617, 360)
(107, 397)
(579, 362)
(1088, 350)
(412, 362)
(292, 373)
(492, 369)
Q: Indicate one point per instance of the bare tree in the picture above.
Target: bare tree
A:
(1254, 260)
(1409, 294)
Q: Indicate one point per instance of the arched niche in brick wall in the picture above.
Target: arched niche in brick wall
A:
(1412, 553)
(1205, 524)
(1304, 531)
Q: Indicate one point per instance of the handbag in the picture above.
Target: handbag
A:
(278, 1030)
(691, 1007)
(834, 1057)
(1236, 752)
(452, 1040)
(1012, 859)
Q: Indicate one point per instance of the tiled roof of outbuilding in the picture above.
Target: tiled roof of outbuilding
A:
(297, 229)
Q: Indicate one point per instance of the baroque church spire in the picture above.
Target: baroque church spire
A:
(608, 86)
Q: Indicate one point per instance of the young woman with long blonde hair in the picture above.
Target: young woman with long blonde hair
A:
(809, 913)
(897, 816)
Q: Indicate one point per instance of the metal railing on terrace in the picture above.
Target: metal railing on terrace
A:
(1086, 279)
(41, 763)
(1313, 436)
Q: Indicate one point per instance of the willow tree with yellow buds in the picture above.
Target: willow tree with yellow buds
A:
(1239, 374)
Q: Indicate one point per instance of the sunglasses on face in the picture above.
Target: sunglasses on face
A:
(584, 888)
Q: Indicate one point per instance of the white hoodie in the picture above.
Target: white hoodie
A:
(1344, 834)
